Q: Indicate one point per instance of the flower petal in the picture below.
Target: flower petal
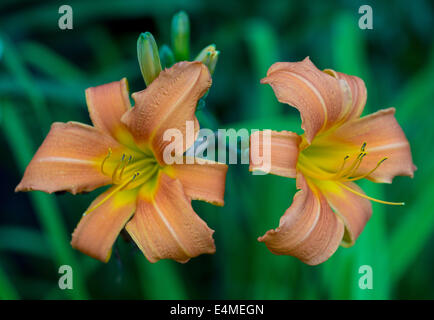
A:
(97, 230)
(358, 91)
(168, 103)
(166, 227)
(277, 155)
(69, 159)
(384, 138)
(107, 103)
(354, 210)
(203, 181)
(322, 99)
(309, 230)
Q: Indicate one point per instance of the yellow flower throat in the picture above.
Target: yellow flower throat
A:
(312, 156)
(129, 171)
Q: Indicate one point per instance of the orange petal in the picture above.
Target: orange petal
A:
(309, 230)
(97, 230)
(69, 159)
(107, 103)
(322, 99)
(166, 227)
(168, 103)
(277, 155)
(354, 211)
(358, 93)
(203, 181)
(384, 138)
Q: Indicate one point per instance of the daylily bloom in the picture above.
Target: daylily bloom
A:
(124, 149)
(337, 148)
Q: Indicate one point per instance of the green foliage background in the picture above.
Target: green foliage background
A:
(44, 72)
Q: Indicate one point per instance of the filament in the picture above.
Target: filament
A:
(354, 166)
(124, 166)
(112, 193)
(105, 159)
(117, 167)
(370, 198)
(368, 173)
(344, 173)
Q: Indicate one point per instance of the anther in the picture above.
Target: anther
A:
(131, 180)
(124, 166)
(338, 173)
(359, 162)
(353, 166)
(369, 172)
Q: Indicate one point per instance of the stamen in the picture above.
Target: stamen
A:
(112, 193)
(123, 168)
(368, 173)
(338, 173)
(370, 198)
(117, 168)
(351, 168)
(105, 159)
(131, 180)
(359, 162)
(354, 166)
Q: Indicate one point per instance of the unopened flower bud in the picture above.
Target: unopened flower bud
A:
(208, 56)
(149, 59)
(181, 36)
(166, 56)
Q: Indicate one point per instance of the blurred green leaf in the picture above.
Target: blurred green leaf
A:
(412, 233)
(50, 63)
(24, 241)
(371, 249)
(160, 280)
(263, 50)
(104, 47)
(416, 97)
(44, 16)
(16, 67)
(48, 212)
(7, 290)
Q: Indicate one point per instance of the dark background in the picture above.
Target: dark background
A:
(44, 72)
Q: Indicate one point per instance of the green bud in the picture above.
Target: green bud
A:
(204, 53)
(166, 56)
(208, 56)
(181, 36)
(213, 62)
(149, 59)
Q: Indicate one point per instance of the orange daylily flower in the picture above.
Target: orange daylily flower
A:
(337, 148)
(124, 149)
